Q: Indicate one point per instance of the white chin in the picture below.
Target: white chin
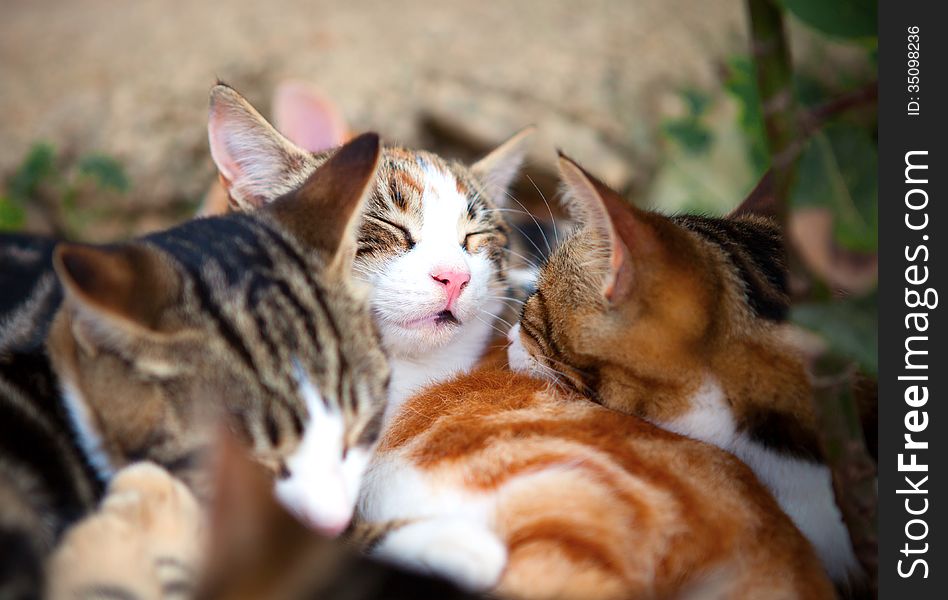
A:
(417, 339)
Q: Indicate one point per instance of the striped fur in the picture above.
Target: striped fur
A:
(426, 216)
(678, 320)
(505, 483)
(253, 319)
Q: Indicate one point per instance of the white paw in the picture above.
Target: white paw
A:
(464, 552)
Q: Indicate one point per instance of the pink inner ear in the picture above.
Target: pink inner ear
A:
(226, 166)
(307, 117)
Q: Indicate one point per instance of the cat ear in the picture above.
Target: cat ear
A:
(621, 226)
(307, 117)
(498, 170)
(256, 162)
(325, 211)
(760, 201)
(121, 291)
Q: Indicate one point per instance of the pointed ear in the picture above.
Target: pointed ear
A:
(325, 211)
(760, 201)
(498, 170)
(126, 288)
(622, 227)
(256, 163)
(307, 117)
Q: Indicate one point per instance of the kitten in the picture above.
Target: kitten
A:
(254, 316)
(502, 482)
(677, 320)
(432, 245)
(151, 538)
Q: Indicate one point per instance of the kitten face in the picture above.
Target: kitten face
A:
(249, 320)
(432, 249)
(432, 244)
(644, 293)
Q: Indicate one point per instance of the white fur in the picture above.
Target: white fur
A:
(456, 549)
(82, 423)
(803, 489)
(405, 297)
(451, 535)
(323, 486)
(517, 356)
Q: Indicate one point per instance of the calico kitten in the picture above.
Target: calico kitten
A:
(503, 482)
(253, 316)
(677, 320)
(432, 244)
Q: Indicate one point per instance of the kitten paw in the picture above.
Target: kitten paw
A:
(145, 539)
(466, 553)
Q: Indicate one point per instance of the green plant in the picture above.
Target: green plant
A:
(53, 183)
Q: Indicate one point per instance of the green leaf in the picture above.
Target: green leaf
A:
(849, 327)
(38, 166)
(12, 216)
(838, 170)
(105, 171)
(696, 100)
(840, 18)
(741, 84)
(690, 133)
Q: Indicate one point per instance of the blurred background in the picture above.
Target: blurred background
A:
(683, 105)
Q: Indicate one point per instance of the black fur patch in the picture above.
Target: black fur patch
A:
(782, 433)
(755, 249)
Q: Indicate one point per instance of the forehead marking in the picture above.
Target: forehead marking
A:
(314, 401)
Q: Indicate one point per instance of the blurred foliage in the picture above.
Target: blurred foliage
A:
(836, 169)
(742, 87)
(849, 326)
(54, 183)
(839, 18)
(688, 131)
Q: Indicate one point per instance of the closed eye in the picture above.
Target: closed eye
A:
(468, 238)
(409, 239)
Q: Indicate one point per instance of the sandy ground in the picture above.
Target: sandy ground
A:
(131, 78)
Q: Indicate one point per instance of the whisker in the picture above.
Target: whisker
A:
(523, 258)
(539, 255)
(535, 222)
(494, 327)
(516, 300)
(548, 209)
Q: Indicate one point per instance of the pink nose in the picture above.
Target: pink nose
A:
(453, 280)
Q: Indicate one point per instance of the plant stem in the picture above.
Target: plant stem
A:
(775, 88)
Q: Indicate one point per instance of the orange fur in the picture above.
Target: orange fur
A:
(592, 503)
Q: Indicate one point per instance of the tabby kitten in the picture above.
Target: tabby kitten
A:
(503, 482)
(677, 320)
(151, 539)
(432, 244)
(254, 316)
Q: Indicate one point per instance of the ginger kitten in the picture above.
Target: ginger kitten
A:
(432, 243)
(677, 320)
(505, 483)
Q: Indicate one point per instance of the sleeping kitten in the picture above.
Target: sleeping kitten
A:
(253, 316)
(152, 539)
(502, 482)
(432, 245)
(676, 320)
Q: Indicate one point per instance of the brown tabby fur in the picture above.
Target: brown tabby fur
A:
(157, 338)
(678, 311)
